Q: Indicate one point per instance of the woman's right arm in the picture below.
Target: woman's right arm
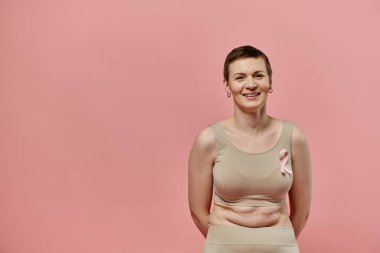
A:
(200, 163)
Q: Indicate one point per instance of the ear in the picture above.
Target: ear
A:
(226, 86)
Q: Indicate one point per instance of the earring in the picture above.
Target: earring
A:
(228, 94)
(270, 90)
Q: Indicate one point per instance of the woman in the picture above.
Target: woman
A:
(249, 162)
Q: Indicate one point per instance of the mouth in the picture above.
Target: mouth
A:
(250, 95)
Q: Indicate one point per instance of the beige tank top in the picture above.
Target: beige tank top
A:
(252, 179)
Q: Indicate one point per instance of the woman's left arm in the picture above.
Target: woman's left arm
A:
(300, 192)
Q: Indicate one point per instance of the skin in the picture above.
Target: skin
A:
(251, 130)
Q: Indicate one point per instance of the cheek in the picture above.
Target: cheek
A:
(264, 86)
(236, 89)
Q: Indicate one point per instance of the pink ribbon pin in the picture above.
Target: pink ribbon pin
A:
(284, 155)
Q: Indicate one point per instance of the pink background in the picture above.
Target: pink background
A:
(101, 101)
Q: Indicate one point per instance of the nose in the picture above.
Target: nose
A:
(251, 82)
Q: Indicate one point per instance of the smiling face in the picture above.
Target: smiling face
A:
(248, 76)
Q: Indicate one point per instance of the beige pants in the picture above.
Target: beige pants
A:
(239, 239)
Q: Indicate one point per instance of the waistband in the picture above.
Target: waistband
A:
(235, 234)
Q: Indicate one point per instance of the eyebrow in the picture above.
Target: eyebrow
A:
(257, 71)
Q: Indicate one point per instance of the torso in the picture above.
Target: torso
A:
(258, 216)
(252, 216)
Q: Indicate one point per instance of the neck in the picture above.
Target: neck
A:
(256, 120)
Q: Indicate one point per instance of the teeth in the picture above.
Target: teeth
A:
(251, 95)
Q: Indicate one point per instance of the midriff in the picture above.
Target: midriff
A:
(251, 216)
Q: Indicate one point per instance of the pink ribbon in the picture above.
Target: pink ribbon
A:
(284, 155)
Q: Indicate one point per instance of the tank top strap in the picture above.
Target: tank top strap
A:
(218, 132)
(286, 135)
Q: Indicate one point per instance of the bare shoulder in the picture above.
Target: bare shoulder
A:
(300, 144)
(205, 139)
(204, 143)
(298, 135)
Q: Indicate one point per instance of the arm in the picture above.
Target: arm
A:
(300, 193)
(200, 179)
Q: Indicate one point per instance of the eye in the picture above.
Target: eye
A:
(239, 78)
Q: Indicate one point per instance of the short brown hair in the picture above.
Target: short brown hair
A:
(245, 52)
